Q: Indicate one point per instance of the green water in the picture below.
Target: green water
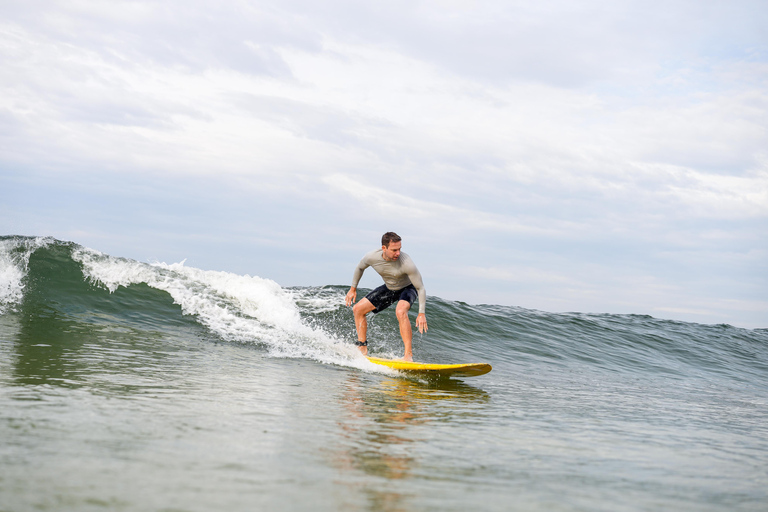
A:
(126, 386)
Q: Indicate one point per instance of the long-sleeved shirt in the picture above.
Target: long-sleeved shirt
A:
(396, 274)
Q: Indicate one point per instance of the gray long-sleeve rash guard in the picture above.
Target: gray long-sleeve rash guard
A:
(396, 274)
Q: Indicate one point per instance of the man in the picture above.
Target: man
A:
(402, 282)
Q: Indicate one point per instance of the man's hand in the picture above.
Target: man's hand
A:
(421, 322)
(351, 296)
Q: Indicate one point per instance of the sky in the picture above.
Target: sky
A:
(592, 156)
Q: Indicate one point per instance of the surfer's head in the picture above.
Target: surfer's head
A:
(390, 246)
(388, 237)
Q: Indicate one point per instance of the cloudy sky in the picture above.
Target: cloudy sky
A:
(593, 156)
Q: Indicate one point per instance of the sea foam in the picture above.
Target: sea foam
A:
(14, 264)
(240, 308)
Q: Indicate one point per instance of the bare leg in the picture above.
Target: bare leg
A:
(406, 333)
(361, 309)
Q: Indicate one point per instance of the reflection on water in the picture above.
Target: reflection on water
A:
(120, 361)
(45, 349)
(384, 425)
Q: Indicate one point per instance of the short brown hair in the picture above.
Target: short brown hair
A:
(389, 237)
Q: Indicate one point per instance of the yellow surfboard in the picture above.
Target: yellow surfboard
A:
(437, 370)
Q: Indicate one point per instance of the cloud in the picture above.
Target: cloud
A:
(193, 35)
(563, 142)
(554, 42)
(523, 275)
(442, 217)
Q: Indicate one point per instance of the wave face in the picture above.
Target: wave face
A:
(58, 281)
(55, 281)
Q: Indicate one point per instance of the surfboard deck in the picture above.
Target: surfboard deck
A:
(432, 369)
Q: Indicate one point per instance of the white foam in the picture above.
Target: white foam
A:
(317, 300)
(14, 265)
(241, 308)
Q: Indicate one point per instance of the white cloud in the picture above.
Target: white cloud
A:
(523, 275)
(602, 135)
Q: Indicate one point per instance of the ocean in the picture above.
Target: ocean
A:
(130, 386)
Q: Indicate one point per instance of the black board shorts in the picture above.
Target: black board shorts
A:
(382, 297)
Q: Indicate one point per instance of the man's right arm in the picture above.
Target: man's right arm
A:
(352, 293)
(351, 296)
(359, 269)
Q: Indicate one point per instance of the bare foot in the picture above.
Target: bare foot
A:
(408, 358)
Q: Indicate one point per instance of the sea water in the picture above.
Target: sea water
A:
(135, 386)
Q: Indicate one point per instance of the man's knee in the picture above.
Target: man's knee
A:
(362, 308)
(402, 309)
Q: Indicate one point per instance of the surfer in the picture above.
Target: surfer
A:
(402, 283)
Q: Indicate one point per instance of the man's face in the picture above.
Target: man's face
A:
(392, 252)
